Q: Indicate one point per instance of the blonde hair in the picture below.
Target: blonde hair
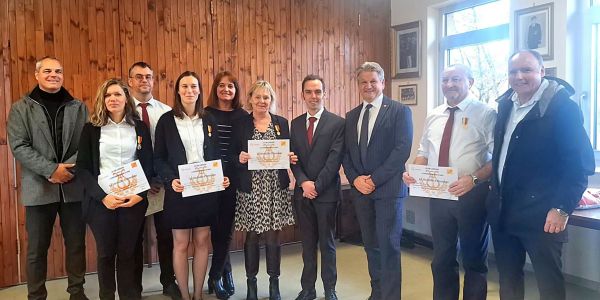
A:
(99, 116)
(262, 84)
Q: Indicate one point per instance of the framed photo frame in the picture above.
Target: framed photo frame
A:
(407, 94)
(407, 54)
(551, 71)
(534, 29)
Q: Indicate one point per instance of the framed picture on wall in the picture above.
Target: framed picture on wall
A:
(407, 94)
(407, 54)
(551, 71)
(534, 29)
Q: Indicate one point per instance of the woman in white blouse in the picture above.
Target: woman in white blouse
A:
(186, 135)
(114, 137)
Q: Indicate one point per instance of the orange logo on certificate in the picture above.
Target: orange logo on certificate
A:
(215, 164)
(449, 171)
(283, 143)
(134, 165)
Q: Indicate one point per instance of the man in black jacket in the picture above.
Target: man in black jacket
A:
(541, 160)
(317, 137)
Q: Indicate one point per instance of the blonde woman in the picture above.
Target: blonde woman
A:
(263, 203)
(115, 136)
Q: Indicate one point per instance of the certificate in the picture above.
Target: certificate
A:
(268, 154)
(201, 178)
(128, 179)
(432, 182)
(156, 202)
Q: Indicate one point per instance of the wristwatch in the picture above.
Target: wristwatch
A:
(475, 179)
(561, 212)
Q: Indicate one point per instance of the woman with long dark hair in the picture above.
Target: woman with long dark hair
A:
(186, 135)
(225, 107)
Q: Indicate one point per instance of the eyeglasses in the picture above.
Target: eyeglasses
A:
(140, 77)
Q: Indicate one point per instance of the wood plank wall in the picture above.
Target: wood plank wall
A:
(280, 41)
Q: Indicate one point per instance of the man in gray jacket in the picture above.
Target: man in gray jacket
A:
(43, 132)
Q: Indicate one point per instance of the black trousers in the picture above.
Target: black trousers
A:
(460, 225)
(164, 245)
(545, 254)
(39, 222)
(317, 229)
(222, 233)
(117, 234)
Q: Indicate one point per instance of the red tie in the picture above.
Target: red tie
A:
(145, 117)
(445, 144)
(309, 131)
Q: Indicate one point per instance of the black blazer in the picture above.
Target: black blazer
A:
(388, 149)
(88, 161)
(243, 132)
(169, 151)
(321, 161)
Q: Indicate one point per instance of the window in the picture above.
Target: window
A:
(595, 75)
(475, 33)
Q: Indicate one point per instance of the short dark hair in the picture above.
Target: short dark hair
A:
(141, 64)
(213, 100)
(534, 53)
(178, 107)
(312, 77)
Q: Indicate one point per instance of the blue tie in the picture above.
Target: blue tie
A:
(364, 135)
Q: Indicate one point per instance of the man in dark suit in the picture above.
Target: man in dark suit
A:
(378, 138)
(317, 137)
(541, 160)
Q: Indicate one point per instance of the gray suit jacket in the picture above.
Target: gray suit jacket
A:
(31, 143)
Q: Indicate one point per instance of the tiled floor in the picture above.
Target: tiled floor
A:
(353, 279)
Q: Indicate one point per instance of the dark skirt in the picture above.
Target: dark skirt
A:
(190, 212)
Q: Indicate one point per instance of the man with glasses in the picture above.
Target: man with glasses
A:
(458, 134)
(141, 83)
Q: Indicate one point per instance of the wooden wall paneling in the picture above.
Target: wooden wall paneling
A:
(207, 63)
(8, 246)
(278, 41)
(160, 65)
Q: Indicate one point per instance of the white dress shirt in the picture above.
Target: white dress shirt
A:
(155, 110)
(192, 135)
(118, 143)
(517, 114)
(317, 115)
(472, 139)
(372, 115)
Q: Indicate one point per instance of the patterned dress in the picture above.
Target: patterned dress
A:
(267, 207)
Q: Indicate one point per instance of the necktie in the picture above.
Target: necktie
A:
(446, 136)
(363, 143)
(311, 128)
(145, 117)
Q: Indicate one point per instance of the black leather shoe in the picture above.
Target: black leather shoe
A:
(330, 295)
(307, 295)
(216, 285)
(172, 290)
(228, 283)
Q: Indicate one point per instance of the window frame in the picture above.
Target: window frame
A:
(478, 36)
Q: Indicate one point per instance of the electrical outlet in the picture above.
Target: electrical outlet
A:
(410, 216)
